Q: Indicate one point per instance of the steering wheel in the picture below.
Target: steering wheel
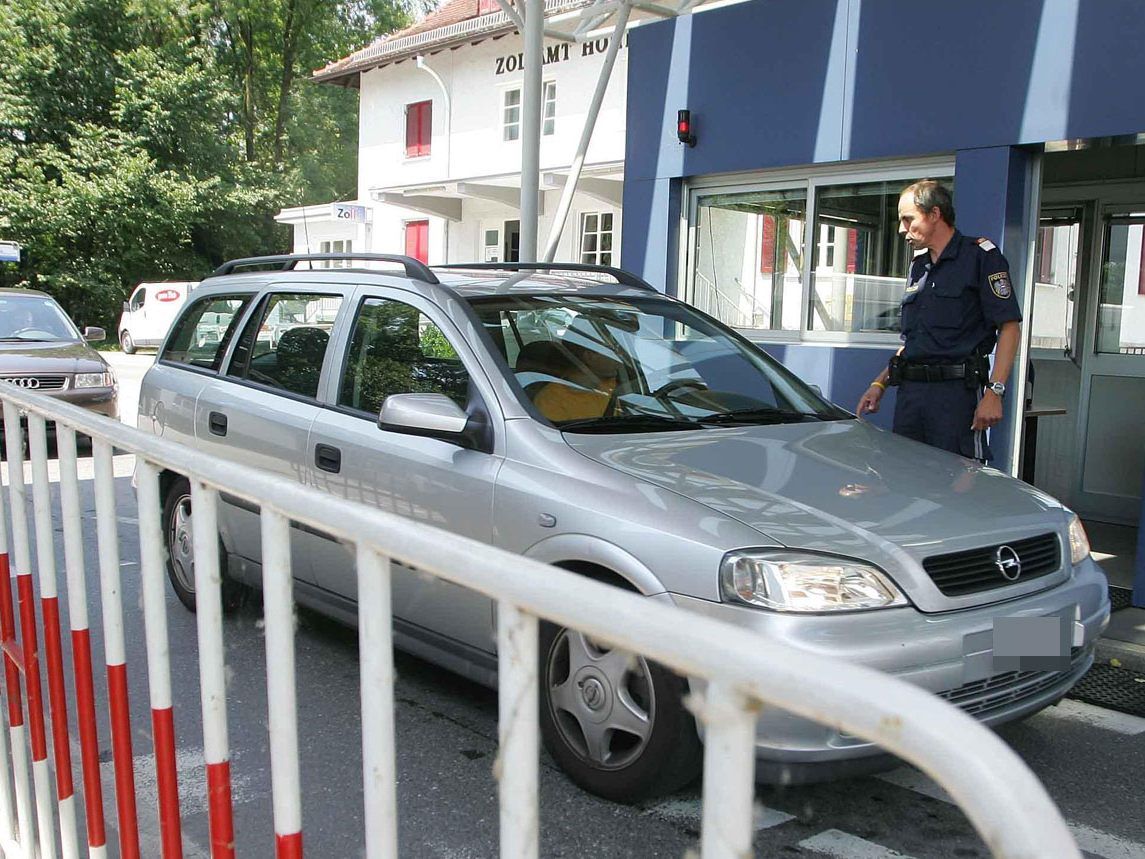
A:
(679, 385)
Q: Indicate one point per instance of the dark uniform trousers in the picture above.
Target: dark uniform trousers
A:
(940, 414)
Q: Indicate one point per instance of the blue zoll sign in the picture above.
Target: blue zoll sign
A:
(556, 54)
(9, 252)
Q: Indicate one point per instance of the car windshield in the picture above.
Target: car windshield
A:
(610, 364)
(33, 319)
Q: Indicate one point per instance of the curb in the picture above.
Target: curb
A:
(1119, 654)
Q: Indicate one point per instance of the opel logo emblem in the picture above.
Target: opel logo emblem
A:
(1008, 563)
(25, 383)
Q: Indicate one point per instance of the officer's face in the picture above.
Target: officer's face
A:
(915, 225)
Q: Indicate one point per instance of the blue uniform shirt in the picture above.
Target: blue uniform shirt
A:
(954, 307)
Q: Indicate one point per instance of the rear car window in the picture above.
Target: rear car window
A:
(284, 344)
(200, 336)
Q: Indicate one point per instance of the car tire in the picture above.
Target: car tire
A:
(178, 542)
(616, 723)
(126, 343)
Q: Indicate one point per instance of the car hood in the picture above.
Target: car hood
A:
(842, 487)
(53, 357)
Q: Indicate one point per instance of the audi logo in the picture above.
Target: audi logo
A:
(24, 383)
(1008, 563)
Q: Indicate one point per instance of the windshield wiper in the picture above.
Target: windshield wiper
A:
(631, 423)
(766, 414)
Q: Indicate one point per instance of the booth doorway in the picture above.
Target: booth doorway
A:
(1087, 333)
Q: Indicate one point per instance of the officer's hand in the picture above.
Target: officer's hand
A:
(869, 401)
(989, 411)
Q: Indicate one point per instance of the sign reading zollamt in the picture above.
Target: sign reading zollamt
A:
(556, 54)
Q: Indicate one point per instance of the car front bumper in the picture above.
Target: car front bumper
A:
(950, 654)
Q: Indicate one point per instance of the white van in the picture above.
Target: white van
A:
(149, 312)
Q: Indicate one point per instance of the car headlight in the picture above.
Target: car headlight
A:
(798, 582)
(1078, 540)
(95, 380)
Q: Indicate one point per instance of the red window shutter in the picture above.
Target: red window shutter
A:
(1046, 263)
(1141, 271)
(419, 128)
(852, 251)
(417, 240)
(767, 251)
(487, 7)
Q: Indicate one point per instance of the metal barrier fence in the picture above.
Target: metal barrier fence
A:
(1003, 800)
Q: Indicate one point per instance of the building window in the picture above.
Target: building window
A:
(596, 238)
(511, 115)
(748, 257)
(549, 112)
(419, 128)
(339, 246)
(756, 262)
(859, 265)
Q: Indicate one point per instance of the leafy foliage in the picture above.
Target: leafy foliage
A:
(153, 139)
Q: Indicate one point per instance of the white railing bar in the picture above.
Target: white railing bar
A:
(282, 706)
(8, 789)
(44, 837)
(50, 616)
(729, 772)
(212, 663)
(518, 764)
(376, 658)
(1004, 801)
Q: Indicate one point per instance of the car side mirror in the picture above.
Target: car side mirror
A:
(93, 334)
(432, 415)
(816, 389)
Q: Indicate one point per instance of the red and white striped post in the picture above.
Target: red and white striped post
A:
(41, 773)
(212, 667)
(111, 599)
(81, 641)
(53, 646)
(158, 656)
(278, 608)
(12, 664)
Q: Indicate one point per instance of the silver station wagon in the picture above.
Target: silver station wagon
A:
(579, 417)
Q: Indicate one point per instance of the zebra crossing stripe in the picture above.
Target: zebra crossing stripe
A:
(1098, 717)
(834, 842)
(689, 812)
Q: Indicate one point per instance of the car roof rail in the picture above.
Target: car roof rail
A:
(623, 277)
(287, 262)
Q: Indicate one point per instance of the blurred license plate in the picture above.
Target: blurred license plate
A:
(1031, 643)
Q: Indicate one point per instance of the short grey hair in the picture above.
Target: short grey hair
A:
(929, 194)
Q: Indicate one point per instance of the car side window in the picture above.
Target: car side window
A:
(138, 299)
(200, 336)
(396, 349)
(284, 344)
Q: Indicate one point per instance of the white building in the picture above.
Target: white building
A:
(439, 148)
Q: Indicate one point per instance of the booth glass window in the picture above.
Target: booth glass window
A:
(1055, 281)
(1121, 315)
(596, 238)
(859, 260)
(748, 258)
(511, 115)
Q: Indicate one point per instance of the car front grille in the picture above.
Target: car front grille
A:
(983, 698)
(38, 383)
(975, 570)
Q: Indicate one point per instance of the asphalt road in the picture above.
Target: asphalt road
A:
(1090, 759)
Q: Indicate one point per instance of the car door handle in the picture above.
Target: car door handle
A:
(328, 458)
(217, 423)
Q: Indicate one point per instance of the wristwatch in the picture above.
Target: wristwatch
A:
(998, 388)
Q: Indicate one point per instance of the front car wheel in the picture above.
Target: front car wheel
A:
(614, 721)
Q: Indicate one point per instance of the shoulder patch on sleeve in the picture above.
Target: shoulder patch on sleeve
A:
(986, 244)
(1000, 284)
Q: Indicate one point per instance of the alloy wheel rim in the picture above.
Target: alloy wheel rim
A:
(602, 700)
(180, 544)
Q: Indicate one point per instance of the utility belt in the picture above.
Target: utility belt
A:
(975, 370)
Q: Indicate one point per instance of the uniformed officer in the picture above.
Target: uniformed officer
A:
(959, 303)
